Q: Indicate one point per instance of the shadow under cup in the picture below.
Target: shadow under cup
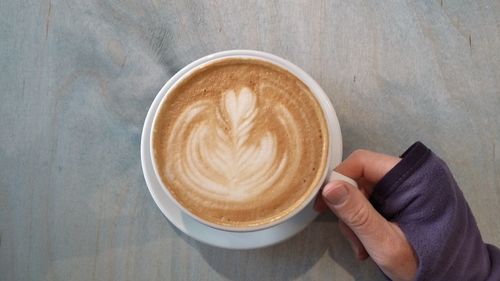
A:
(334, 143)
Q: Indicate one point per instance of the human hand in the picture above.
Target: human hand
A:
(368, 233)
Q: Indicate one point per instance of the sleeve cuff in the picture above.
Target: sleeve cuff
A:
(412, 159)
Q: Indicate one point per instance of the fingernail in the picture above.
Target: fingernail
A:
(353, 247)
(335, 194)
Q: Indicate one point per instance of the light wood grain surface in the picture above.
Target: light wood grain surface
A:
(77, 79)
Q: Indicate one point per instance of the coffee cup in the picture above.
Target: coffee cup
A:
(244, 140)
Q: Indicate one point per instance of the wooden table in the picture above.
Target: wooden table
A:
(77, 79)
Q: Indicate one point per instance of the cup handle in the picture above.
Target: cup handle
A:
(338, 176)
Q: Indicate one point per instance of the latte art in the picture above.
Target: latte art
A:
(219, 159)
(240, 143)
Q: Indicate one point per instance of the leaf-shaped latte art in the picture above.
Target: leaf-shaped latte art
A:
(223, 155)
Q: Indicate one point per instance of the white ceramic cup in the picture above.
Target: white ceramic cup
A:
(334, 134)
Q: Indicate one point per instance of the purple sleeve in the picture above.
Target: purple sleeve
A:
(421, 195)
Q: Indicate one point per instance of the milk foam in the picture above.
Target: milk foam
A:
(221, 158)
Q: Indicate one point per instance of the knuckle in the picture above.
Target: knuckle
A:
(359, 217)
(358, 154)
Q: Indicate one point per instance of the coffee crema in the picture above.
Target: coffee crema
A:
(240, 142)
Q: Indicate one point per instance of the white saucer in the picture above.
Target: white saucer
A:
(202, 232)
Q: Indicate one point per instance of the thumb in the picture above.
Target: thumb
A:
(352, 207)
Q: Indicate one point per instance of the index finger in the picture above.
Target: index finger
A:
(367, 164)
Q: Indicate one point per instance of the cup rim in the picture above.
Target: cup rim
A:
(334, 134)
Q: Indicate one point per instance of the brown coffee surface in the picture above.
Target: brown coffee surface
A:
(240, 142)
